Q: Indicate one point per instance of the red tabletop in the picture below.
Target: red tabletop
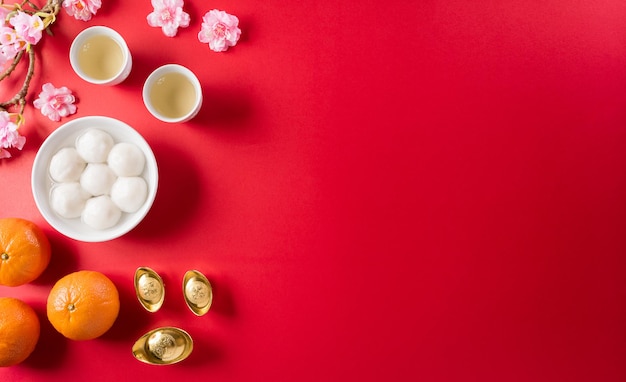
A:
(395, 191)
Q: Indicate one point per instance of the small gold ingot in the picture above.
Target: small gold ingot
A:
(163, 346)
(149, 289)
(198, 292)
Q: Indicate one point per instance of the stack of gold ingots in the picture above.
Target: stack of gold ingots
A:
(168, 345)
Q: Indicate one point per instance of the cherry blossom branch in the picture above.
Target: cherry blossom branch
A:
(49, 12)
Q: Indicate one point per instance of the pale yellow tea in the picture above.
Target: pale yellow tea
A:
(173, 95)
(101, 57)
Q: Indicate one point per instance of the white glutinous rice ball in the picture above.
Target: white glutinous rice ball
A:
(68, 199)
(66, 165)
(101, 213)
(97, 179)
(126, 159)
(129, 193)
(94, 145)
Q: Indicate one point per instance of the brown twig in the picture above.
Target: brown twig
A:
(11, 68)
(20, 97)
(52, 6)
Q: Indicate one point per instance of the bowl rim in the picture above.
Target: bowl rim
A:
(41, 183)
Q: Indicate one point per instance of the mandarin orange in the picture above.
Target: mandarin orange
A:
(19, 331)
(24, 251)
(83, 305)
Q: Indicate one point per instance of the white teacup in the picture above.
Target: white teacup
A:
(172, 93)
(99, 55)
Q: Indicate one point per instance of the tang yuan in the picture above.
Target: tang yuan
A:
(94, 145)
(126, 159)
(97, 179)
(66, 165)
(68, 199)
(101, 213)
(129, 193)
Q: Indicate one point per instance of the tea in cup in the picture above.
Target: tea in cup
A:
(99, 55)
(172, 93)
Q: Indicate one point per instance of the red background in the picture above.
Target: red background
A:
(406, 190)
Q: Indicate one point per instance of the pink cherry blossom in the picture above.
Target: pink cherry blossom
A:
(169, 15)
(28, 28)
(9, 136)
(82, 9)
(10, 43)
(220, 30)
(55, 103)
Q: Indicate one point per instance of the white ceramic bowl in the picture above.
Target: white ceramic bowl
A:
(42, 183)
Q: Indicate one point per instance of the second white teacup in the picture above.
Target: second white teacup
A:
(99, 55)
(172, 93)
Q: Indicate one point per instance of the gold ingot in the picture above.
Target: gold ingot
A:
(149, 289)
(198, 292)
(163, 346)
